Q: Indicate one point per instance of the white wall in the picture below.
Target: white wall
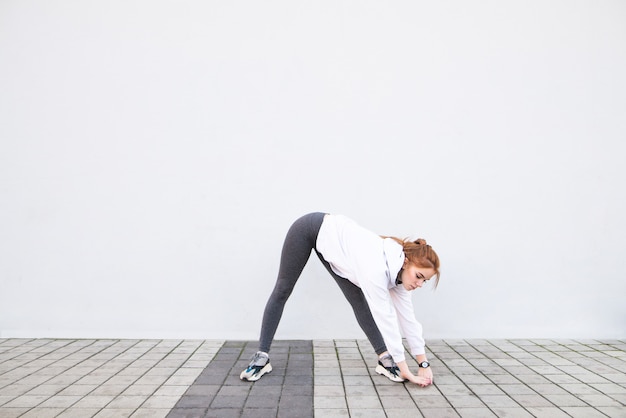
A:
(154, 153)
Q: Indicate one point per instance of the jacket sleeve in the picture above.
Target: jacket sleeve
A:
(374, 287)
(411, 328)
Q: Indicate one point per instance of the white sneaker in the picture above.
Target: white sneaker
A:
(259, 365)
(387, 367)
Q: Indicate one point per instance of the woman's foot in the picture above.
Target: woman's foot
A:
(259, 365)
(387, 367)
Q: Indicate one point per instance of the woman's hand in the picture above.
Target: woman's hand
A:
(420, 380)
(426, 373)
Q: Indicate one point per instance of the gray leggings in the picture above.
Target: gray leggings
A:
(299, 242)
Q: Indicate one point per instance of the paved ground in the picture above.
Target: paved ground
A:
(173, 378)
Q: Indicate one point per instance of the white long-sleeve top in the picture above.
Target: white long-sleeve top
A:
(372, 263)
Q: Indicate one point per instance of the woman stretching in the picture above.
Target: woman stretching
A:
(375, 274)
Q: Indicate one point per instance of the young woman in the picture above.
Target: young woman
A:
(375, 274)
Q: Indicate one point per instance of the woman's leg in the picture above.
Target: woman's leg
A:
(360, 307)
(299, 242)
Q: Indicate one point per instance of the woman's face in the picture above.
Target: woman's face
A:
(414, 276)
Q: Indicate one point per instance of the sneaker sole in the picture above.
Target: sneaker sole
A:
(382, 371)
(254, 378)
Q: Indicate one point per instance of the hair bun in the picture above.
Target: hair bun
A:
(420, 241)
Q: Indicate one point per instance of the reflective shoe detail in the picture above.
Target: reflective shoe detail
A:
(387, 367)
(259, 365)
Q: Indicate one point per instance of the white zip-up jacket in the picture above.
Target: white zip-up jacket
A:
(372, 263)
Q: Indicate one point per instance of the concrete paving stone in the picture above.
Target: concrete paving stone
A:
(465, 401)
(529, 379)
(431, 401)
(499, 401)
(398, 402)
(329, 402)
(159, 402)
(79, 413)
(12, 412)
(489, 389)
(126, 402)
(262, 401)
(202, 390)
(454, 390)
(291, 413)
(94, 401)
(438, 413)
(108, 389)
(160, 371)
(91, 380)
(195, 364)
(396, 390)
(579, 389)
(150, 413)
(598, 400)
(60, 401)
(295, 402)
(40, 413)
(548, 389)
(590, 378)
(327, 371)
(619, 397)
(403, 413)
(613, 411)
(187, 413)
(242, 389)
(134, 389)
(365, 390)
(297, 413)
(298, 380)
(114, 413)
(299, 390)
(609, 388)
(503, 379)
(517, 389)
(475, 413)
(199, 402)
(228, 401)
(531, 400)
(360, 380)
(16, 390)
(260, 413)
(213, 379)
(46, 390)
(354, 371)
(584, 412)
(331, 413)
(170, 390)
(34, 380)
(473, 379)
(151, 380)
(362, 402)
(616, 378)
(367, 413)
(447, 380)
(547, 412)
(26, 401)
(564, 400)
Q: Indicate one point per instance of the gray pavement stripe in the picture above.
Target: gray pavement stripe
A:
(285, 392)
